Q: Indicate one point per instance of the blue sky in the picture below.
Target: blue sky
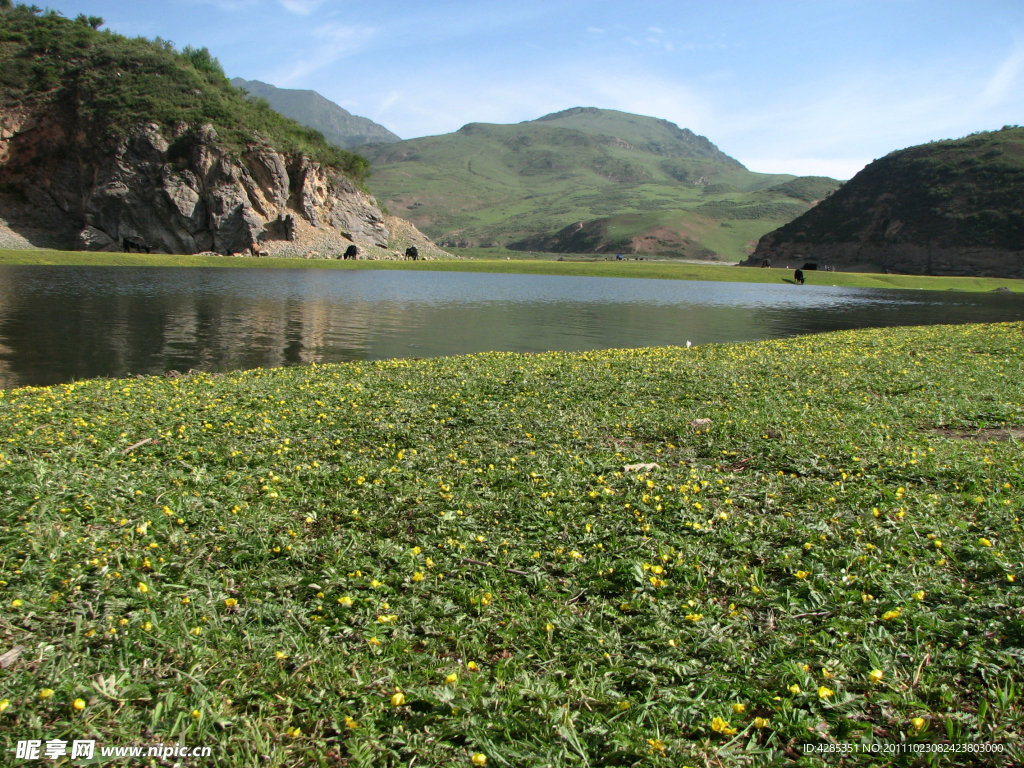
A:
(806, 87)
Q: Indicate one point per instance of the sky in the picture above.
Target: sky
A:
(809, 87)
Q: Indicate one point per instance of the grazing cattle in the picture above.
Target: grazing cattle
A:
(766, 264)
(256, 251)
(798, 276)
(412, 253)
(139, 245)
(352, 252)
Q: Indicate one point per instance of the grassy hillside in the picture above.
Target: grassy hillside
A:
(653, 557)
(656, 188)
(339, 126)
(965, 192)
(103, 84)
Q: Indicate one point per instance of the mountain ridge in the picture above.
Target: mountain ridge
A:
(310, 108)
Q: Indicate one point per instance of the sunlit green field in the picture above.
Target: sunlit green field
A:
(654, 270)
(444, 561)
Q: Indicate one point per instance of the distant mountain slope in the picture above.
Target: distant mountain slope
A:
(339, 126)
(946, 208)
(669, 191)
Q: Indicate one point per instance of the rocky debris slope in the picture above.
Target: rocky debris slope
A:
(311, 242)
(946, 208)
(176, 193)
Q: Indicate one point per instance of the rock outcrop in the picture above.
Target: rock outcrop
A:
(178, 193)
(947, 208)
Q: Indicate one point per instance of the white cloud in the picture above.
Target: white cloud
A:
(595, 30)
(1001, 85)
(656, 30)
(301, 7)
(333, 42)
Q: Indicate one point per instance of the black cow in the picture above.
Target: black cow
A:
(766, 263)
(139, 245)
(798, 276)
(352, 252)
(412, 253)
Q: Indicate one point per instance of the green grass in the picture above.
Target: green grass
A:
(532, 264)
(298, 546)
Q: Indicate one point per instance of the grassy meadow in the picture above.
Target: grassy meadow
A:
(665, 557)
(483, 260)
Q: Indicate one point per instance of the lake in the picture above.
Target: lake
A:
(60, 324)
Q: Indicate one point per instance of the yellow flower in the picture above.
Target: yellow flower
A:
(549, 627)
(622, 706)
(350, 722)
(938, 543)
(186, 600)
(197, 631)
(373, 641)
(387, 619)
(196, 714)
(486, 598)
(985, 542)
(802, 574)
(398, 699)
(794, 689)
(46, 693)
(918, 595)
(147, 626)
(418, 576)
(143, 588)
(739, 709)
(4, 704)
(694, 617)
(718, 725)
(345, 601)
(893, 614)
(473, 667)
(760, 722)
(824, 693)
(917, 722)
(16, 603)
(656, 745)
(295, 732)
(79, 704)
(230, 602)
(280, 655)
(876, 675)
(479, 758)
(452, 679)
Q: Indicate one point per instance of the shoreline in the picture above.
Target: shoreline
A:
(656, 270)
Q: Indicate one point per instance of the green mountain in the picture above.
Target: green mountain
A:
(111, 143)
(107, 83)
(951, 207)
(632, 184)
(339, 126)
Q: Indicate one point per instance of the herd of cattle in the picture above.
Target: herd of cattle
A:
(133, 244)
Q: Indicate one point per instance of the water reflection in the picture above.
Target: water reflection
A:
(63, 323)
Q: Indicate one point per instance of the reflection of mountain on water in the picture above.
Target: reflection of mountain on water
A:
(63, 323)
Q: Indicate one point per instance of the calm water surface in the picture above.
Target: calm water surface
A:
(59, 324)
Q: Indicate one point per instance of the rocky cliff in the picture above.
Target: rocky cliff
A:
(946, 208)
(171, 190)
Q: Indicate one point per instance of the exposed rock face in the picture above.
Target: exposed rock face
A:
(186, 195)
(948, 208)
